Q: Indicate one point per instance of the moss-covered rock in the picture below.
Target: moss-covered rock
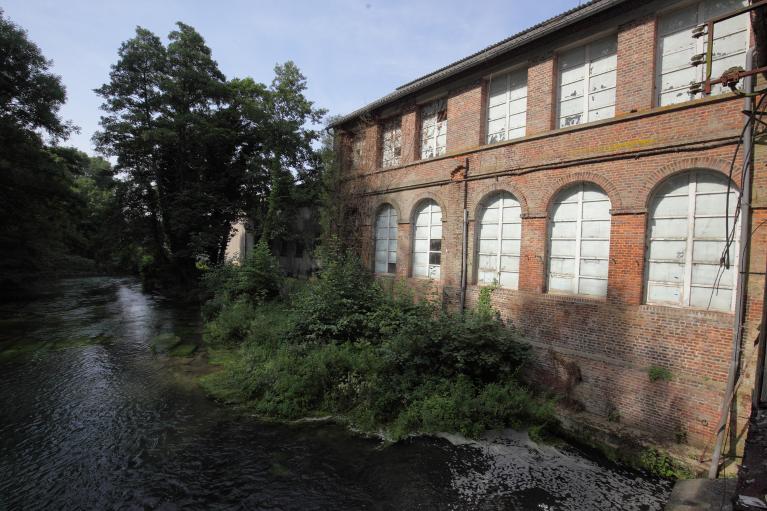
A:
(183, 350)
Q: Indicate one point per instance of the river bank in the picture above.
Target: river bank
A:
(110, 424)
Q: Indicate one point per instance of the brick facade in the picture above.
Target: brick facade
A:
(609, 342)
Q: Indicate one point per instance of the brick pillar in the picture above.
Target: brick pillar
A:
(626, 264)
(636, 66)
(410, 141)
(404, 235)
(464, 114)
(532, 263)
(541, 83)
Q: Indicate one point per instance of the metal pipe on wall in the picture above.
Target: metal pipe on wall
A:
(740, 290)
(465, 234)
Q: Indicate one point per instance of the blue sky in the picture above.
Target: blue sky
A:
(351, 51)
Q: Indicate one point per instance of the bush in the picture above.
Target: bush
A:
(382, 361)
(256, 281)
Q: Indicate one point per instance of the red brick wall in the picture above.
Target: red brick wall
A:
(636, 66)
(611, 341)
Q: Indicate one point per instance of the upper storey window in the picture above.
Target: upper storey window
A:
(677, 46)
(434, 129)
(507, 106)
(358, 151)
(392, 143)
(587, 82)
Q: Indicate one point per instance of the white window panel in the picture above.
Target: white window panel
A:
(427, 247)
(686, 243)
(587, 77)
(507, 106)
(579, 241)
(434, 129)
(391, 143)
(676, 46)
(358, 150)
(386, 240)
(499, 241)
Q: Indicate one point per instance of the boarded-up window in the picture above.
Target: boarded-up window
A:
(500, 231)
(386, 240)
(677, 46)
(579, 241)
(507, 106)
(587, 82)
(427, 242)
(434, 129)
(686, 241)
(391, 143)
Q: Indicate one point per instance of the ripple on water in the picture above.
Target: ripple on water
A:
(107, 426)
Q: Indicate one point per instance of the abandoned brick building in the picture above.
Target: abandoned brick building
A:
(574, 165)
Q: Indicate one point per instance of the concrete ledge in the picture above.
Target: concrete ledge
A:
(702, 495)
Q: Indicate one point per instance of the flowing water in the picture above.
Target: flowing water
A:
(90, 418)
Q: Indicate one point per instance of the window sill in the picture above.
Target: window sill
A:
(668, 307)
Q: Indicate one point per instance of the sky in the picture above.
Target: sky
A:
(351, 51)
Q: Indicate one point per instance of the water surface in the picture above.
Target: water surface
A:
(90, 418)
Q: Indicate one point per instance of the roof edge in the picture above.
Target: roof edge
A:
(515, 41)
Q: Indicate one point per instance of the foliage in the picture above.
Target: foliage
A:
(197, 150)
(658, 373)
(382, 361)
(662, 465)
(257, 280)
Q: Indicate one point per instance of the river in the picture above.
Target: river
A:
(90, 418)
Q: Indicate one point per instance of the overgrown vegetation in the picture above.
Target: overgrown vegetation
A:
(342, 346)
(658, 373)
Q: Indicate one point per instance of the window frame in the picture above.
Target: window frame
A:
(429, 204)
(501, 195)
(436, 101)
(391, 212)
(394, 123)
(689, 239)
(585, 44)
(699, 48)
(577, 240)
(507, 74)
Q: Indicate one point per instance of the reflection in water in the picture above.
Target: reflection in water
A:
(109, 425)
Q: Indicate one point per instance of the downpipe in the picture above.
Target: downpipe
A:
(465, 236)
(740, 290)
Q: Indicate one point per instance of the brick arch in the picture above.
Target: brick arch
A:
(488, 190)
(379, 203)
(420, 198)
(558, 185)
(656, 178)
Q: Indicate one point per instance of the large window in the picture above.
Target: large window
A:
(391, 143)
(507, 106)
(686, 241)
(587, 82)
(677, 46)
(579, 242)
(427, 248)
(500, 231)
(357, 150)
(386, 240)
(434, 129)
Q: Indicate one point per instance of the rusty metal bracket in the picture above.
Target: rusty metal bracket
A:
(731, 76)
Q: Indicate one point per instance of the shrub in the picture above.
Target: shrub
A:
(336, 305)
(656, 373)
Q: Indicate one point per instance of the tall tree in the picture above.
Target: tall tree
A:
(201, 150)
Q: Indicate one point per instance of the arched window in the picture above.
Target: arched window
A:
(686, 241)
(579, 241)
(499, 241)
(427, 246)
(386, 240)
